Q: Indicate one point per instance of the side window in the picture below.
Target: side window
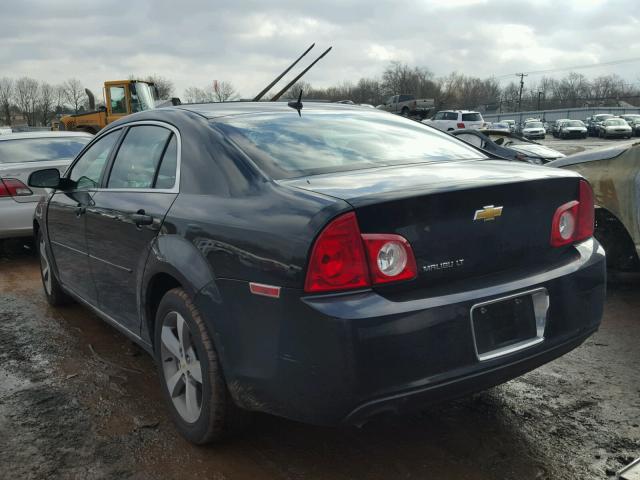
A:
(389, 100)
(439, 116)
(87, 171)
(167, 173)
(450, 116)
(470, 138)
(137, 159)
(406, 98)
(118, 100)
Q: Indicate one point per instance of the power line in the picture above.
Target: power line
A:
(576, 67)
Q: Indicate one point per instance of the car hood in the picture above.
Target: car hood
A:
(537, 151)
(360, 187)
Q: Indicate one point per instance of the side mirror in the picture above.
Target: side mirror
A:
(47, 178)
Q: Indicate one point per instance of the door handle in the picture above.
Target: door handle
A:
(140, 218)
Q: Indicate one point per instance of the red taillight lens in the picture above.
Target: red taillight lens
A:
(460, 125)
(338, 260)
(390, 258)
(573, 221)
(586, 213)
(342, 258)
(11, 187)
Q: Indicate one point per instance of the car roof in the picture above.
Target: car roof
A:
(45, 134)
(224, 109)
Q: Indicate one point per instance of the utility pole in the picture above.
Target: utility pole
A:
(539, 93)
(521, 75)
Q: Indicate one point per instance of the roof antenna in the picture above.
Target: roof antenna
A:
(297, 105)
(277, 79)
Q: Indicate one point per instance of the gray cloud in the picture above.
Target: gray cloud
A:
(248, 42)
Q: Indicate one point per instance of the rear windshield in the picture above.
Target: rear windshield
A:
(471, 117)
(288, 146)
(615, 121)
(533, 125)
(40, 149)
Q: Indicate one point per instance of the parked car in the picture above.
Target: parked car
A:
(511, 123)
(5, 130)
(593, 125)
(408, 105)
(614, 174)
(634, 122)
(533, 130)
(449, 120)
(326, 267)
(614, 127)
(21, 154)
(500, 126)
(572, 129)
(555, 128)
(508, 145)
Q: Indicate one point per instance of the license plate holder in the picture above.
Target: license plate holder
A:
(508, 324)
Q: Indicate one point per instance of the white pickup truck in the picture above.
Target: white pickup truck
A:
(408, 105)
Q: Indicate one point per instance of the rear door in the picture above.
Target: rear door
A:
(66, 217)
(127, 213)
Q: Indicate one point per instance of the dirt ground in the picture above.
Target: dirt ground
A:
(77, 400)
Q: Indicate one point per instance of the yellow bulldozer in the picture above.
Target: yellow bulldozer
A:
(122, 97)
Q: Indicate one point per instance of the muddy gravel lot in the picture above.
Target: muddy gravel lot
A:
(77, 400)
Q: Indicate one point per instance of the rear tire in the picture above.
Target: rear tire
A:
(405, 112)
(191, 375)
(56, 296)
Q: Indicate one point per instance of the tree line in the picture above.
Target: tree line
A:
(459, 91)
(39, 102)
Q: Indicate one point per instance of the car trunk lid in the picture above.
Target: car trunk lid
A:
(462, 219)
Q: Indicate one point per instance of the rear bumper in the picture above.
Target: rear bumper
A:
(16, 219)
(343, 358)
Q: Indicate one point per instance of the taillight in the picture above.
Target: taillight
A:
(11, 187)
(342, 258)
(338, 260)
(460, 125)
(390, 258)
(573, 221)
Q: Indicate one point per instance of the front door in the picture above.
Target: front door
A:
(66, 218)
(126, 216)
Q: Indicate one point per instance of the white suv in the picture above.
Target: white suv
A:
(448, 120)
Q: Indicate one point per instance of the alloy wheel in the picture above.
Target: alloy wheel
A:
(181, 367)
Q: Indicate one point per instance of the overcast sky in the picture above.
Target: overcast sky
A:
(248, 42)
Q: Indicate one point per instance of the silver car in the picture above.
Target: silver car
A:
(21, 154)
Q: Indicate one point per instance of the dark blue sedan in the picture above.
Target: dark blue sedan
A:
(325, 264)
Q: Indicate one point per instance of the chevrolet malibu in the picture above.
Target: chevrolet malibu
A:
(325, 264)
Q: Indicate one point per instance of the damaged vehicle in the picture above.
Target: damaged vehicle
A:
(327, 264)
(505, 144)
(614, 174)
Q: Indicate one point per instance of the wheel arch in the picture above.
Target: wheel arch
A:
(173, 262)
(616, 240)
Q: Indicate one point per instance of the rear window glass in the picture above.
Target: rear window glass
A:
(471, 117)
(40, 149)
(287, 146)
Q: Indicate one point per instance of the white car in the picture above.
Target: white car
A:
(449, 120)
(614, 127)
(572, 129)
(533, 130)
(21, 154)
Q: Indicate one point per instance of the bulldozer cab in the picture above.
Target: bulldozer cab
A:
(123, 97)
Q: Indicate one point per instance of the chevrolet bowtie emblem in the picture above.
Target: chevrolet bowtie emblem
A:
(488, 213)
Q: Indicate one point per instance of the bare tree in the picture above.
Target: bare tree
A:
(6, 99)
(59, 98)
(223, 91)
(196, 95)
(74, 93)
(164, 85)
(46, 100)
(27, 98)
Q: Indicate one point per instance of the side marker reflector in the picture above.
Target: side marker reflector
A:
(264, 290)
